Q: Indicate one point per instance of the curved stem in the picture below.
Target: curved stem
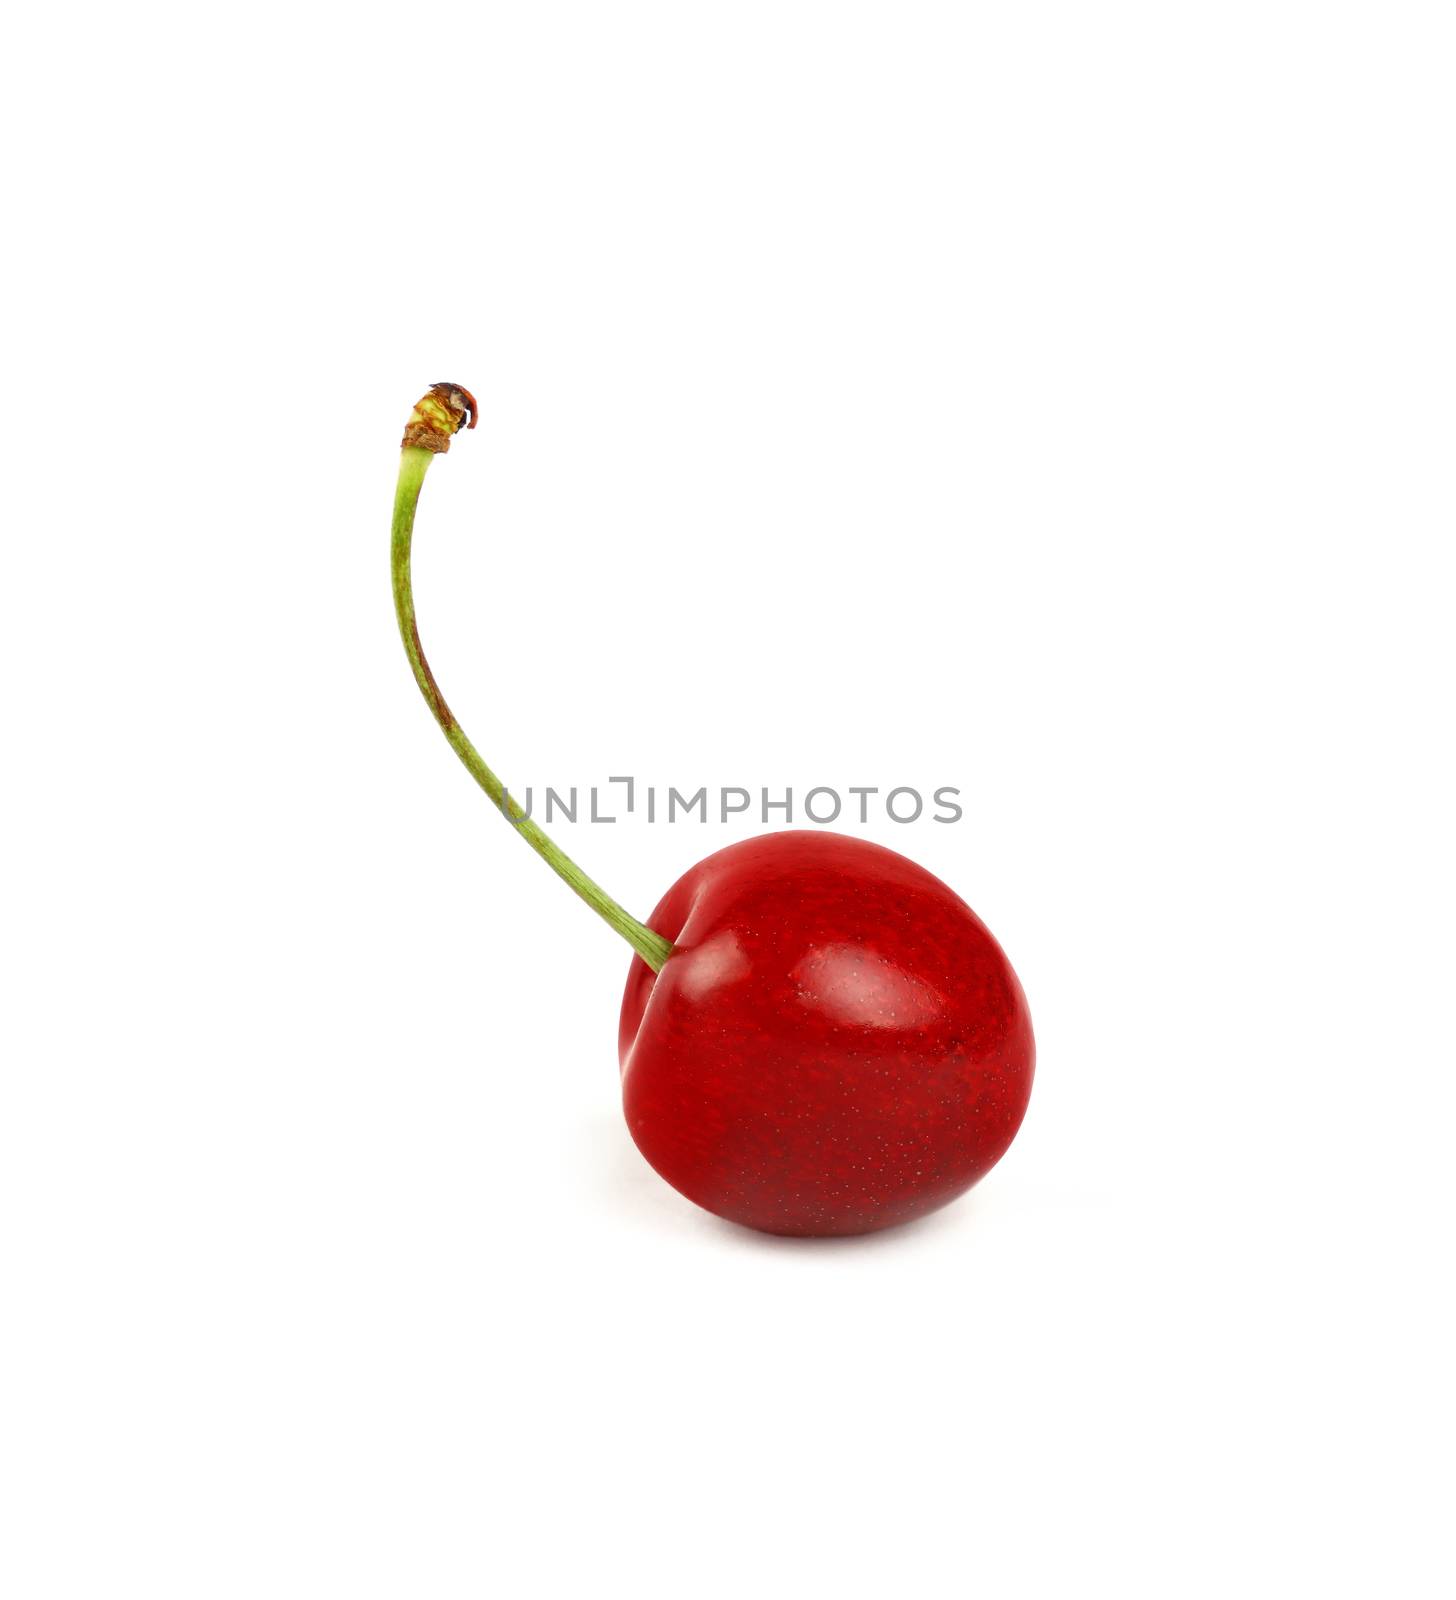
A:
(414, 463)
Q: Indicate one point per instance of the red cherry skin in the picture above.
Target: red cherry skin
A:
(836, 1044)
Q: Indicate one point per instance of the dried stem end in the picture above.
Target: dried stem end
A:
(438, 417)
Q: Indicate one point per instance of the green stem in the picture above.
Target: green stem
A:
(413, 465)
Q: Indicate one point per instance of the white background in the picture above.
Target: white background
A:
(1051, 400)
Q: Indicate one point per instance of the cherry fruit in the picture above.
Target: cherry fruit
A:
(837, 1043)
(817, 1036)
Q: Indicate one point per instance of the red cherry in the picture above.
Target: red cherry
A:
(817, 1037)
(836, 1043)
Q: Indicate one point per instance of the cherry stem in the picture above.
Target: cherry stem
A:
(437, 417)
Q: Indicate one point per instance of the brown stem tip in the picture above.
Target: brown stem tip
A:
(439, 416)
